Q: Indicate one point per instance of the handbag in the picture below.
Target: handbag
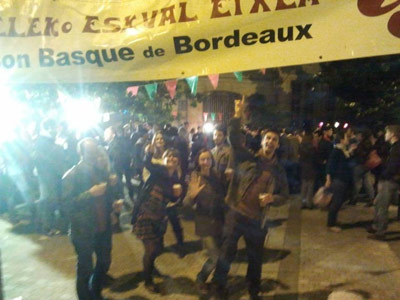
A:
(373, 160)
(322, 197)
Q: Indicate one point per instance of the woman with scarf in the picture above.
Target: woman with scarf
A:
(206, 193)
(338, 178)
(150, 211)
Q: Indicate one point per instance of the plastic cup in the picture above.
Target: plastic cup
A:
(261, 197)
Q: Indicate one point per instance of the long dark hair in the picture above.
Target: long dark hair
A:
(196, 161)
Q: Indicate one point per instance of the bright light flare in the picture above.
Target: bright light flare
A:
(337, 124)
(11, 113)
(81, 115)
(208, 127)
(345, 125)
(320, 124)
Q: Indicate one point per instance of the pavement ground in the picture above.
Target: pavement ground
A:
(302, 261)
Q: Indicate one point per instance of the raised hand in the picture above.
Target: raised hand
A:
(98, 189)
(195, 186)
(239, 107)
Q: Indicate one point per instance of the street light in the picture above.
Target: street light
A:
(11, 113)
(81, 114)
(208, 127)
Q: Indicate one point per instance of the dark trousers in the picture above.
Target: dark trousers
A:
(89, 280)
(339, 190)
(152, 249)
(172, 213)
(320, 176)
(237, 225)
(127, 172)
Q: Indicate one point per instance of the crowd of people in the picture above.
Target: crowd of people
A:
(57, 184)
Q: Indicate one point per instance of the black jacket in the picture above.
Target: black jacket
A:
(80, 203)
(392, 166)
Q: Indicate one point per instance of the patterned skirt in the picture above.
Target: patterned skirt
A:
(146, 228)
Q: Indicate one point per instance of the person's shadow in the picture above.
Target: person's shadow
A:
(178, 285)
(189, 247)
(269, 255)
(127, 282)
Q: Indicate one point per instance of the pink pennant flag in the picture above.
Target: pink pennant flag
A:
(205, 115)
(132, 90)
(262, 71)
(171, 87)
(214, 80)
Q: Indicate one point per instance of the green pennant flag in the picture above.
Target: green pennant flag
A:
(239, 76)
(192, 82)
(151, 89)
(213, 116)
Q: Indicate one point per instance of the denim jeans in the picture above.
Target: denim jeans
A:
(236, 226)
(387, 193)
(212, 246)
(89, 280)
(361, 178)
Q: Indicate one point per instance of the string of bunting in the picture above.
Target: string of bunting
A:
(151, 88)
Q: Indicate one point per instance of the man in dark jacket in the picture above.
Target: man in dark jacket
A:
(389, 184)
(325, 147)
(50, 165)
(258, 180)
(120, 151)
(89, 192)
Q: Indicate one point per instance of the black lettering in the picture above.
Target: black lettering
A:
(23, 61)
(126, 53)
(232, 40)
(93, 57)
(289, 35)
(45, 57)
(77, 58)
(215, 41)
(113, 55)
(303, 31)
(268, 36)
(182, 44)
(249, 38)
(8, 61)
(63, 59)
(199, 47)
(148, 52)
(159, 52)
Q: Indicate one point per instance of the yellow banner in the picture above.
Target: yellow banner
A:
(135, 40)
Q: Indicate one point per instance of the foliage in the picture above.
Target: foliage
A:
(367, 89)
(264, 112)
